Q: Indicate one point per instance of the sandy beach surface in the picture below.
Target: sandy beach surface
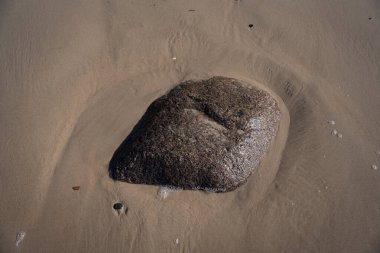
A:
(76, 76)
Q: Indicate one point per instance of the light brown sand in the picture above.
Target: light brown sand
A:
(77, 75)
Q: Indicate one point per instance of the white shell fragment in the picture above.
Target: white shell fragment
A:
(374, 166)
(332, 122)
(340, 136)
(174, 58)
(19, 237)
(177, 241)
(163, 191)
(334, 132)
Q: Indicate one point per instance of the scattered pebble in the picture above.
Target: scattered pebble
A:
(340, 136)
(191, 10)
(19, 237)
(334, 132)
(174, 58)
(250, 25)
(118, 206)
(332, 122)
(369, 18)
(177, 241)
(76, 188)
(374, 166)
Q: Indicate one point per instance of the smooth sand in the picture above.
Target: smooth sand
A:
(76, 76)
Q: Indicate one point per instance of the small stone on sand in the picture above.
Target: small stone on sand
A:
(177, 241)
(340, 136)
(374, 166)
(332, 122)
(174, 58)
(76, 188)
(334, 132)
(118, 206)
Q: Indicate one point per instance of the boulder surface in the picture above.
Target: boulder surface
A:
(209, 134)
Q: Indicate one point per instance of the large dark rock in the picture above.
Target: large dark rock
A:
(208, 134)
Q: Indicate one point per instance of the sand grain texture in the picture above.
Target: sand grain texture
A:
(76, 76)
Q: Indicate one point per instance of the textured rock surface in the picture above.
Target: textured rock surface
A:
(208, 134)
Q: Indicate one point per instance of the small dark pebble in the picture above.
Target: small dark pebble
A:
(191, 10)
(250, 25)
(76, 188)
(118, 206)
(369, 18)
